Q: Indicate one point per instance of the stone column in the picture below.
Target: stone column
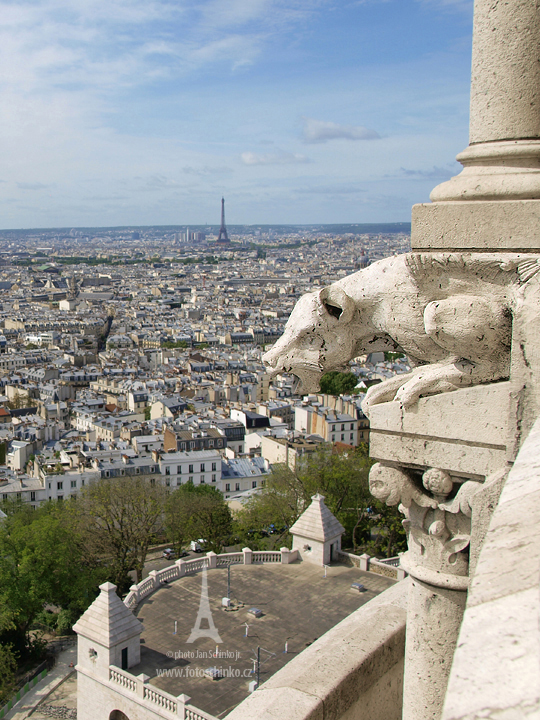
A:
(437, 560)
(502, 161)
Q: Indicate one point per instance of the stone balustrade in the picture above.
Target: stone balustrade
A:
(389, 568)
(156, 578)
(160, 702)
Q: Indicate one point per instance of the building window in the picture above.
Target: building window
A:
(210, 443)
(82, 482)
(343, 426)
(227, 488)
(5, 497)
(351, 436)
(219, 443)
(213, 478)
(202, 480)
(167, 483)
(32, 496)
(167, 470)
(179, 470)
(253, 483)
(213, 467)
(342, 437)
(333, 438)
(190, 478)
(237, 486)
(202, 467)
(73, 483)
(60, 485)
(191, 468)
(60, 498)
(18, 496)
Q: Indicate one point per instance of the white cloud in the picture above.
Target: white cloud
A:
(318, 131)
(436, 173)
(278, 158)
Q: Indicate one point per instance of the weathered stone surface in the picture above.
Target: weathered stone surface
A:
(496, 669)
(464, 432)
(510, 226)
(433, 621)
(458, 458)
(450, 314)
(484, 503)
(477, 415)
(505, 85)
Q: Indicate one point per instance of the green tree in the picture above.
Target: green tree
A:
(8, 666)
(338, 383)
(42, 561)
(120, 517)
(343, 479)
(198, 511)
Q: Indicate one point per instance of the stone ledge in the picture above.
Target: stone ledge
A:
(464, 431)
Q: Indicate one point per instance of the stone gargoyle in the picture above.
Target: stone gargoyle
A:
(450, 314)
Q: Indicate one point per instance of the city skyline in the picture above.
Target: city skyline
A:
(298, 111)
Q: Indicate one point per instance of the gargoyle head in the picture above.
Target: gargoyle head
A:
(317, 337)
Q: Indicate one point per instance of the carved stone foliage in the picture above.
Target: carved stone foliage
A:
(450, 313)
(437, 521)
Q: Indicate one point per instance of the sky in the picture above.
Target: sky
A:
(146, 112)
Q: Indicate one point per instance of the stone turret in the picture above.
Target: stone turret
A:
(109, 634)
(317, 533)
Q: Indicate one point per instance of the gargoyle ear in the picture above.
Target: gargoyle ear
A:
(337, 303)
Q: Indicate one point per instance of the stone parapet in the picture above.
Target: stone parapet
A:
(496, 667)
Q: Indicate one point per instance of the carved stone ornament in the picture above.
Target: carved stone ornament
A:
(438, 526)
(450, 313)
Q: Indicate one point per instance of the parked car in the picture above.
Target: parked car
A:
(197, 545)
(168, 553)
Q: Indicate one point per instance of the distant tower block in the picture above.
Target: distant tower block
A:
(223, 237)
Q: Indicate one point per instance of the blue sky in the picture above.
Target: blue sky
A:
(144, 112)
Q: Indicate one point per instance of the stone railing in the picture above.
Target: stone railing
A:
(163, 704)
(157, 578)
(389, 568)
(355, 670)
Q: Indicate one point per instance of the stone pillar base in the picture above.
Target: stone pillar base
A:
(476, 226)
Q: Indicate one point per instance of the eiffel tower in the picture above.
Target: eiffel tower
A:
(223, 237)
